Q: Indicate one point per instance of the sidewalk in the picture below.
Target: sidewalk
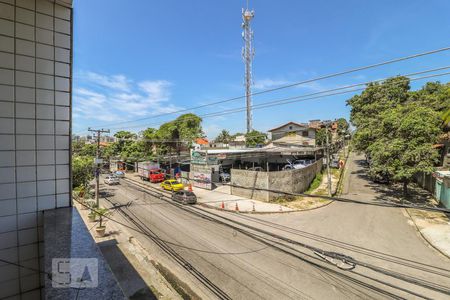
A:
(221, 198)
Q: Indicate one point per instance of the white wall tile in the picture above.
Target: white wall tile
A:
(25, 142)
(45, 81)
(44, 51)
(25, 126)
(7, 60)
(25, 47)
(7, 207)
(45, 157)
(27, 221)
(26, 174)
(45, 7)
(45, 96)
(62, 157)
(25, 158)
(62, 171)
(62, 113)
(25, 63)
(25, 31)
(7, 142)
(28, 236)
(7, 159)
(8, 240)
(46, 202)
(26, 3)
(6, 76)
(25, 79)
(45, 66)
(62, 12)
(62, 186)
(6, 44)
(62, 26)
(62, 55)
(26, 205)
(62, 142)
(8, 191)
(25, 110)
(6, 93)
(29, 251)
(62, 127)
(62, 69)
(6, 27)
(46, 187)
(24, 16)
(45, 127)
(7, 175)
(62, 40)
(45, 112)
(45, 172)
(6, 125)
(44, 36)
(44, 21)
(62, 200)
(62, 84)
(45, 142)
(25, 94)
(8, 272)
(62, 98)
(26, 189)
(8, 223)
(6, 11)
(7, 109)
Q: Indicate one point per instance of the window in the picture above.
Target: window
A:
(305, 133)
(290, 127)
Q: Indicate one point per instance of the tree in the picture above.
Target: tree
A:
(255, 138)
(82, 170)
(404, 146)
(223, 137)
(321, 137)
(342, 127)
(134, 151)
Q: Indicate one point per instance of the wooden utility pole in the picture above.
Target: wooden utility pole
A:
(97, 162)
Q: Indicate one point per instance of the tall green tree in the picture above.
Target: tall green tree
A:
(255, 138)
(82, 170)
(223, 137)
(342, 127)
(321, 137)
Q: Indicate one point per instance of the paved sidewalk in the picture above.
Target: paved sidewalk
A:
(221, 198)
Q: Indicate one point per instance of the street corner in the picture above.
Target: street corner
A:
(439, 237)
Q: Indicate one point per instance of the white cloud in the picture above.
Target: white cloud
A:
(123, 101)
(267, 83)
(116, 82)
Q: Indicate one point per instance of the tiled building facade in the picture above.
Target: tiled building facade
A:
(35, 130)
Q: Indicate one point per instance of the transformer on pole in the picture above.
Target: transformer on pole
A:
(247, 54)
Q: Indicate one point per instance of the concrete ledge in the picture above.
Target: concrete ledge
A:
(66, 236)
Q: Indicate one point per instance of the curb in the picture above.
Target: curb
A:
(264, 212)
(427, 241)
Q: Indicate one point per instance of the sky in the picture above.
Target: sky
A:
(147, 60)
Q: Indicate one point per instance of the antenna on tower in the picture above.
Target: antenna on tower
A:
(247, 54)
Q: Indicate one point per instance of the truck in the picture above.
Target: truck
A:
(150, 171)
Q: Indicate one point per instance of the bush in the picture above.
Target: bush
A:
(316, 182)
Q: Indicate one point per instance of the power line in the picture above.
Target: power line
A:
(294, 84)
(300, 97)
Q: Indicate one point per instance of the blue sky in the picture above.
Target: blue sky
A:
(140, 58)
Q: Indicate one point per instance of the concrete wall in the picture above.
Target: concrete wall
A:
(290, 181)
(426, 181)
(35, 125)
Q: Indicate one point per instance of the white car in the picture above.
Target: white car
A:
(297, 164)
(111, 180)
(119, 174)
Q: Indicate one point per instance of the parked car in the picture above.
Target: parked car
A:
(297, 164)
(172, 185)
(153, 175)
(185, 197)
(119, 174)
(111, 180)
(224, 177)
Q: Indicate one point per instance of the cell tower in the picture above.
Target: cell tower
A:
(247, 54)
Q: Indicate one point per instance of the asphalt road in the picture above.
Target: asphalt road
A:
(394, 261)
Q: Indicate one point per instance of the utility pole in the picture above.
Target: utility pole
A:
(328, 161)
(247, 54)
(97, 162)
